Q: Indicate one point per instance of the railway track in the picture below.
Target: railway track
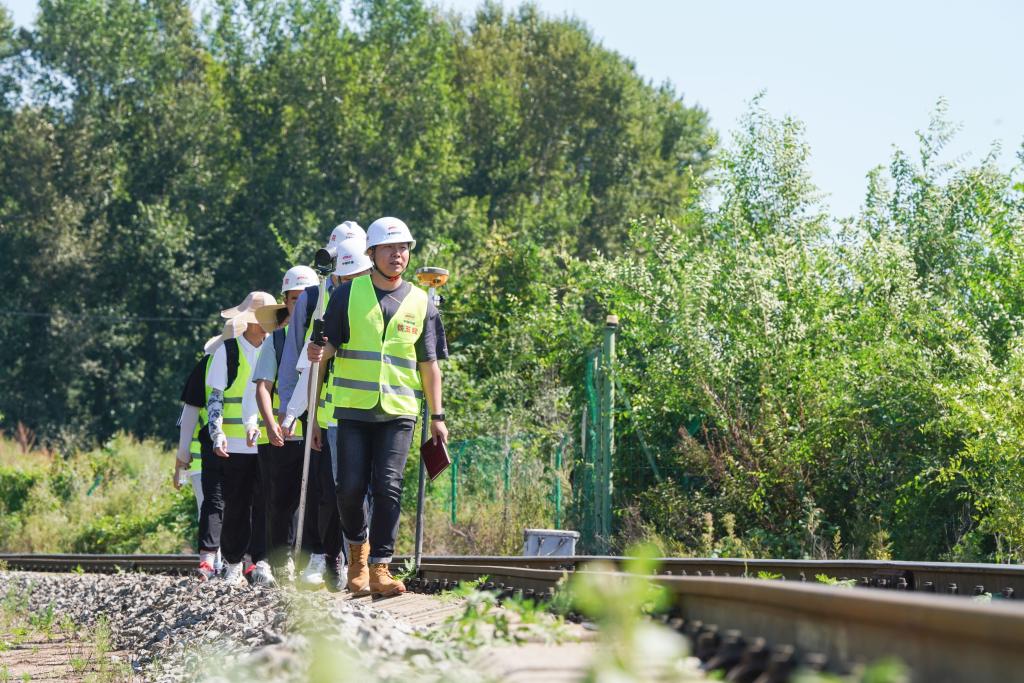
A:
(760, 627)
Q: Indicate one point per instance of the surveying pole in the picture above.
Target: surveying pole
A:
(432, 278)
(324, 266)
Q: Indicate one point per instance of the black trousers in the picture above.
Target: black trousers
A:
(281, 468)
(241, 505)
(372, 454)
(328, 521)
(211, 514)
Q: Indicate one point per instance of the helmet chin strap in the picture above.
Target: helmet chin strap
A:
(389, 278)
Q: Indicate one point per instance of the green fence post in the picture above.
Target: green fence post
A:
(508, 464)
(607, 428)
(591, 458)
(558, 485)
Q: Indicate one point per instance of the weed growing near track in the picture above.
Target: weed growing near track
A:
(485, 620)
(833, 581)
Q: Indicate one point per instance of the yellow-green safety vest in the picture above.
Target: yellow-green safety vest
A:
(195, 448)
(232, 424)
(378, 365)
(324, 415)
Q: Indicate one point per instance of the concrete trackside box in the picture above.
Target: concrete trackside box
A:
(549, 542)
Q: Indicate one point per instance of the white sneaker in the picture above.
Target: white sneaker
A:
(289, 570)
(313, 575)
(261, 574)
(218, 563)
(233, 575)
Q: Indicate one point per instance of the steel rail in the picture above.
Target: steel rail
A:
(778, 626)
(935, 577)
(763, 625)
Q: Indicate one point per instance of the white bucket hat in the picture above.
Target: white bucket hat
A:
(272, 318)
(250, 303)
(232, 328)
(352, 257)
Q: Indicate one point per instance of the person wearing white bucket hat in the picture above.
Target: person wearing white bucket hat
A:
(385, 337)
(234, 353)
(351, 261)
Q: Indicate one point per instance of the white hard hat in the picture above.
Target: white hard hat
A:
(344, 231)
(352, 257)
(298, 277)
(388, 230)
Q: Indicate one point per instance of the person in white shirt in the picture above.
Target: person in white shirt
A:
(234, 354)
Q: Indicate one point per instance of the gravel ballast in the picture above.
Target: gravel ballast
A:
(179, 629)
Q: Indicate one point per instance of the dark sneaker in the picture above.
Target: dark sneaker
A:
(334, 574)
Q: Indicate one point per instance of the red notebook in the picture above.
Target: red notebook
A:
(435, 457)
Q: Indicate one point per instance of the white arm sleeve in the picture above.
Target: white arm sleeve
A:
(250, 410)
(186, 427)
(299, 400)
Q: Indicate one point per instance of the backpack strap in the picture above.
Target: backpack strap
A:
(231, 349)
(312, 296)
(279, 339)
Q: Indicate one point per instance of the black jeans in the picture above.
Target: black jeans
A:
(281, 468)
(241, 480)
(372, 454)
(211, 514)
(328, 522)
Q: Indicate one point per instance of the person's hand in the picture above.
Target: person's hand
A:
(221, 449)
(315, 437)
(275, 435)
(438, 430)
(314, 352)
(288, 430)
(179, 467)
(251, 437)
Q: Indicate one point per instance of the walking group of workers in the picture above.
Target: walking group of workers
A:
(244, 419)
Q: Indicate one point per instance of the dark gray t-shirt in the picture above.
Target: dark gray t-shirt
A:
(431, 345)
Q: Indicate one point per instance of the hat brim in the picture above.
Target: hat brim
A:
(411, 243)
(212, 344)
(272, 318)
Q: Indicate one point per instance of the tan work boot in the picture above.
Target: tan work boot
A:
(358, 571)
(382, 584)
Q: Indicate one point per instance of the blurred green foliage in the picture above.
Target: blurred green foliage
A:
(114, 499)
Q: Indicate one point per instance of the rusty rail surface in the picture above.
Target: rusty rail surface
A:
(747, 627)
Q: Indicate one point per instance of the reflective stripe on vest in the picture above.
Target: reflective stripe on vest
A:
(378, 365)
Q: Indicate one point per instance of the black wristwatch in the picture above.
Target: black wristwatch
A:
(437, 418)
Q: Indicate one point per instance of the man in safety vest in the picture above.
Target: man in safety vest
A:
(233, 354)
(351, 262)
(280, 460)
(386, 338)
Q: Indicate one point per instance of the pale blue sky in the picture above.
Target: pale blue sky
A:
(862, 76)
